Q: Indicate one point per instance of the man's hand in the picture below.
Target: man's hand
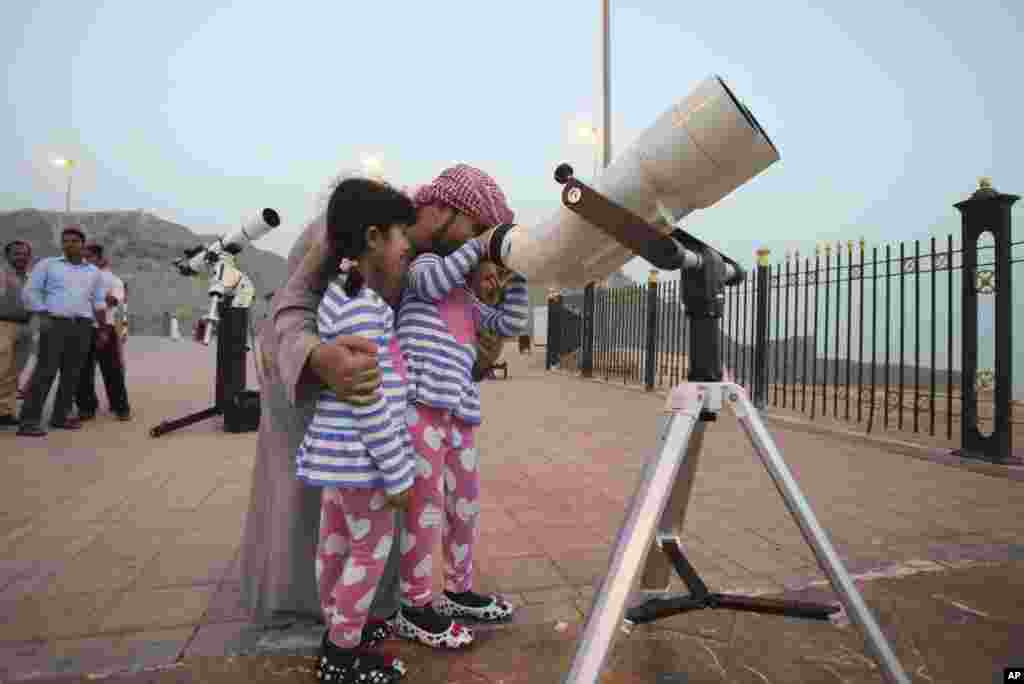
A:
(488, 350)
(398, 501)
(348, 365)
(104, 337)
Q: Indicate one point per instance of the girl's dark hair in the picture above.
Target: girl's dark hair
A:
(354, 206)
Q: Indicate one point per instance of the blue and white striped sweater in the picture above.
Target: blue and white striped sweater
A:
(359, 446)
(440, 368)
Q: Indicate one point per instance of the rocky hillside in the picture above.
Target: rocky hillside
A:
(141, 248)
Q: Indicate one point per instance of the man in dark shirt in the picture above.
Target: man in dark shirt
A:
(104, 349)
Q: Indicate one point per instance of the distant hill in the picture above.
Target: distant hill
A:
(141, 248)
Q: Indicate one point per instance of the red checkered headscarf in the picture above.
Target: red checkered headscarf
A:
(469, 190)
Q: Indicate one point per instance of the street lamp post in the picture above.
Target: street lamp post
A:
(606, 86)
(68, 164)
(592, 136)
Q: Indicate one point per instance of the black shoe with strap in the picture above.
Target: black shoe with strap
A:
(31, 431)
(430, 628)
(376, 630)
(469, 604)
(357, 665)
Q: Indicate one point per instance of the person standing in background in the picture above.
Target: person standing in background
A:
(66, 295)
(15, 332)
(104, 347)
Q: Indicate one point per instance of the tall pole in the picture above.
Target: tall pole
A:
(606, 107)
(68, 165)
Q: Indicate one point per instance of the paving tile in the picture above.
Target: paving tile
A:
(515, 544)
(13, 569)
(88, 655)
(157, 609)
(42, 617)
(96, 572)
(219, 639)
(187, 565)
(523, 574)
(41, 542)
(226, 605)
(24, 659)
(33, 581)
(155, 648)
(552, 595)
(583, 567)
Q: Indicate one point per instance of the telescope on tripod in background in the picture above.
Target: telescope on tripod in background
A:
(697, 152)
(231, 293)
(227, 283)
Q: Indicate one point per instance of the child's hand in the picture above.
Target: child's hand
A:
(398, 501)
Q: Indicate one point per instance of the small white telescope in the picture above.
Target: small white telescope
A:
(226, 280)
(200, 258)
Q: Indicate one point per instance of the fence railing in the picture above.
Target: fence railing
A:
(887, 337)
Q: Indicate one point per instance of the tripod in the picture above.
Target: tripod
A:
(232, 332)
(658, 507)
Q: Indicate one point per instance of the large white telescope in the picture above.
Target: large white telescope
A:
(695, 153)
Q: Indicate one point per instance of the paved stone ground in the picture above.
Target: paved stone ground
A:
(118, 552)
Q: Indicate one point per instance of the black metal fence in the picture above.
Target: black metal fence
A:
(886, 336)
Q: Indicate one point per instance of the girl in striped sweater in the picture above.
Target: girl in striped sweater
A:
(360, 455)
(438, 322)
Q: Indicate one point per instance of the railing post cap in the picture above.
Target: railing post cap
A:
(985, 189)
(762, 256)
(652, 276)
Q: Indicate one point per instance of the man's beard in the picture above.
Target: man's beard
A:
(444, 248)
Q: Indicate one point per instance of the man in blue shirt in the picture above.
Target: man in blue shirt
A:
(66, 293)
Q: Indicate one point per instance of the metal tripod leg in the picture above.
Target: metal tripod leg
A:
(657, 573)
(660, 502)
(815, 536)
(636, 535)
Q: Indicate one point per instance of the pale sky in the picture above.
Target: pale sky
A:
(884, 113)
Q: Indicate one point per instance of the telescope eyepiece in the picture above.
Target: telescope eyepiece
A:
(563, 174)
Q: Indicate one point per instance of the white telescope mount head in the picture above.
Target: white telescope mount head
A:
(228, 285)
